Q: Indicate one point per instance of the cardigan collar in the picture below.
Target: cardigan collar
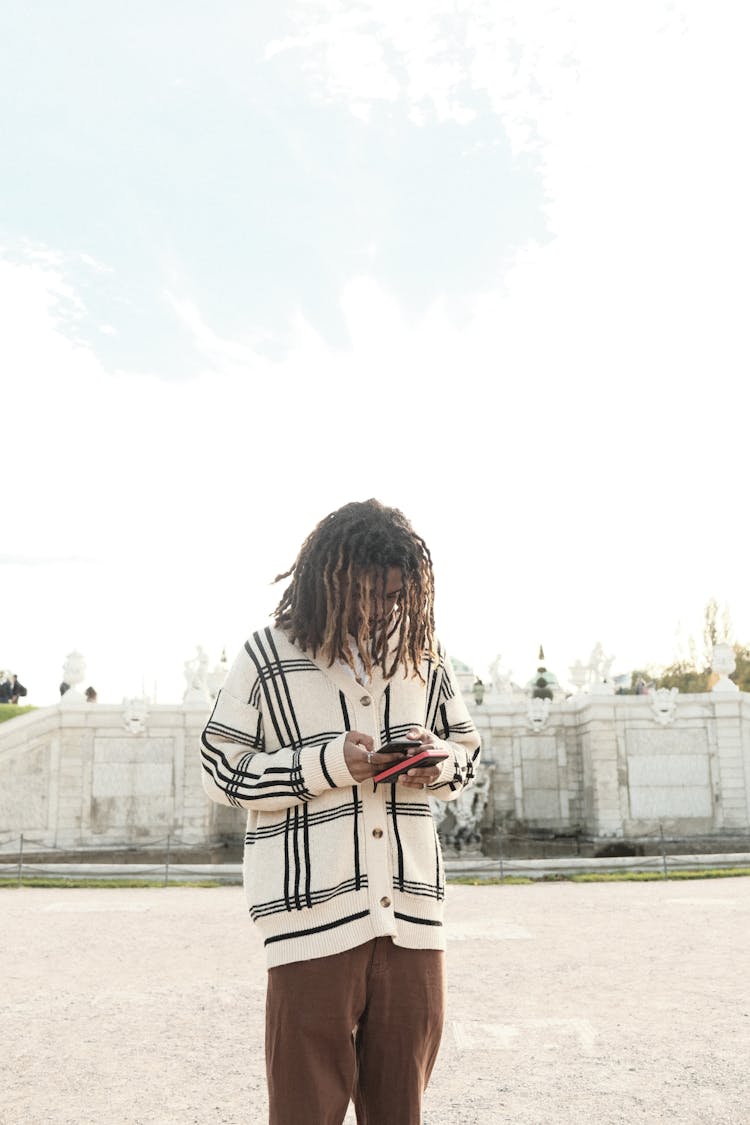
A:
(342, 677)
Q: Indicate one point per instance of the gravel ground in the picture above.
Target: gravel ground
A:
(568, 1004)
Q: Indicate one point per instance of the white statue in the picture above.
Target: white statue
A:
(135, 715)
(600, 664)
(578, 675)
(74, 672)
(723, 662)
(196, 676)
(664, 704)
(502, 685)
(215, 679)
(537, 713)
(599, 669)
(461, 820)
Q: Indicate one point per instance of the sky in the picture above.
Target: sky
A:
(485, 262)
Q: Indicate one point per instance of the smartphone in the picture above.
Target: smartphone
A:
(399, 746)
(426, 758)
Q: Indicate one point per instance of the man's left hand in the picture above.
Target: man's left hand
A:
(422, 776)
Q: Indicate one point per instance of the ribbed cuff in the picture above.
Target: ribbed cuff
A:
(325, 767)
(447, 767)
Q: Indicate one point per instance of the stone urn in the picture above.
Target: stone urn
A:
(723, 663)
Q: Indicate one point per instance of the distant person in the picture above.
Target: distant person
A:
(11, 689)
(17, 689)
(344, 879)
(64, 687)
(91, 696)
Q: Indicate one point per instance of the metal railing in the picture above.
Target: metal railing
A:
(20, 869)
(657, 853)
(161, 861)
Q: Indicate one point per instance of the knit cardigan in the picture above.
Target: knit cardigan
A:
(329, 863)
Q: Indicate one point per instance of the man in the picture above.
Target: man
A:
(11, 688)
(345, 878)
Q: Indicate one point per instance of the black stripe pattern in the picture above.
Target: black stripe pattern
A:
(273, 745)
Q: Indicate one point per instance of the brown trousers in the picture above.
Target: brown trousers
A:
(362, 1025)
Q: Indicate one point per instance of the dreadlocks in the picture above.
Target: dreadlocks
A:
(339, 582)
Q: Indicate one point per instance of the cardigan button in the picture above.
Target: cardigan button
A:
(385, 901)
(365, 701)
(377, 833)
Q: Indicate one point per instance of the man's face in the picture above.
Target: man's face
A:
(386, 598)
(385, 601)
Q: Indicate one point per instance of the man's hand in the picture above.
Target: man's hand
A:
(361, 759)
(422, 776)
(363, 762)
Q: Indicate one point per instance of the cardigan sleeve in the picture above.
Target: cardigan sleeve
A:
(238, 768)
(238, 771)
(450, 720)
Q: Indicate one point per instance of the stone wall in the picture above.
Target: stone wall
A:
(600, 767)
(615, 767)
(75, 777)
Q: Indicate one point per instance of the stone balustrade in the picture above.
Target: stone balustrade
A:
(603, 766)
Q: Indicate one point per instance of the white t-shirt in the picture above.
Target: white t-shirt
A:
(359, 666)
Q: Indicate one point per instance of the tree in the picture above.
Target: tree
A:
(741, 675)
(684, 677)
(695, 675)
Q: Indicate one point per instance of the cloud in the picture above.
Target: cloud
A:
(347, 61)
(382, 53)
(94, 264)
(632, 117)
(210, 344)
(566, 433)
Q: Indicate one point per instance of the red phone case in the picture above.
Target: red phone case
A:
(425, 758)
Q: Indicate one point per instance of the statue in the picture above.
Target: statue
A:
(215, 679)
(134, 715)
(74, 672)
(196, 676)
(664, 704)
(600, 664)
(537, 712)
(723, 662)
(599, 669)
(502, 684)
(578, 675)
(459, 822)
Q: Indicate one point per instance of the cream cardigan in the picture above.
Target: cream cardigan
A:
(329, 863)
